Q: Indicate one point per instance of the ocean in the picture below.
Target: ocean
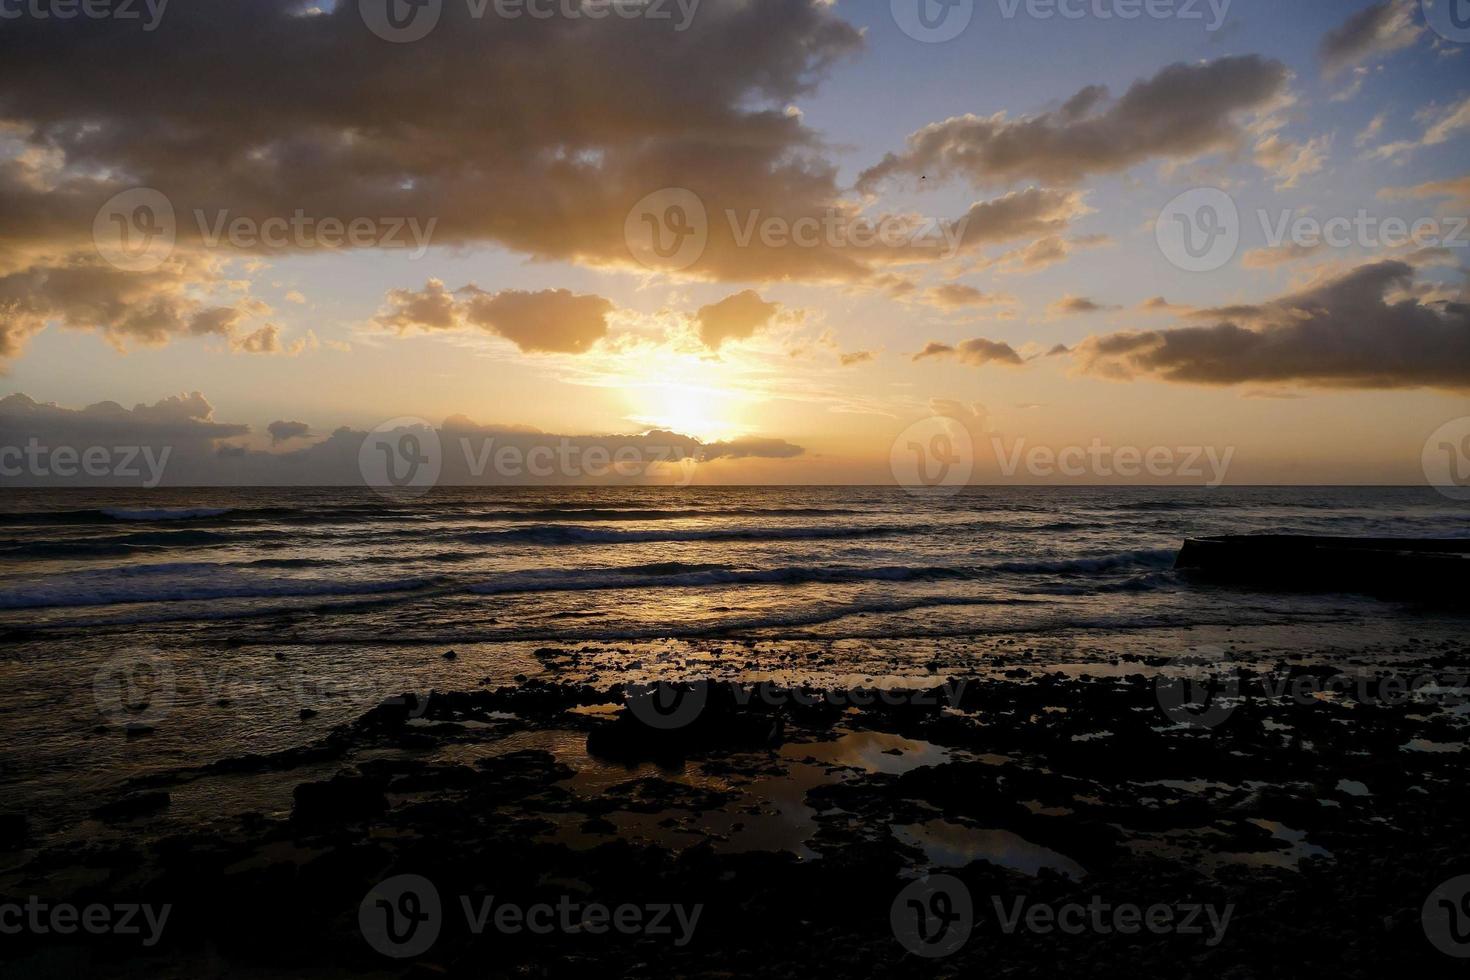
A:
(267, 616)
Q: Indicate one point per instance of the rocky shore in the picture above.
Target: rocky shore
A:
(1232, 823)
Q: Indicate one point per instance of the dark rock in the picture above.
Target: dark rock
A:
(132, 806)
(342, 799)
(15, 830)
(671, 722)
(598, 825)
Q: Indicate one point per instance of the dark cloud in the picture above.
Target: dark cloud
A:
(1161, 305)
(1185, 111)
(977, 352)
(736, 317)
(1072, 305)
(184, 422)
(1383, 27)
(857, 357)
(183, 445)
(751, 449)
(1364, 329)
(539, 135)
(126, 308)
(549, 321)
(954, 295)
(282, 431)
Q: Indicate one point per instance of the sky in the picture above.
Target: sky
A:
(793, 239)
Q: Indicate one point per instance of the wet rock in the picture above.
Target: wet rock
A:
(15, 830)
(132, 806)
(342, 799)
(598, 825)
(672, 722)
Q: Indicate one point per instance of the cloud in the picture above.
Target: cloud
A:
(1289, 161)
(177, 420)
(954, 295)
(1161, 305)
(1379, 29)
(1372, 131)
(857, 357)
(751, 448)
(1363, 329)
(736, 317)
(189, 447)
(1440, 126)
(266, 340)
(126, 308)
(282, 431)
(1042, 253)
(551, 321)
(432, 308)
(538, 135)
(1456, 191)
(1073, 305)
(977, 352)
(1183, 112)
(1270, 257)
(1020, 214)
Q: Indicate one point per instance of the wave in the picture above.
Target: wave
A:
(1159, 558)
(193, 581)
(680, 575)
(636, 577)
(350, 513)
(185, 582)
(556, 534)
(71, 549)
(164, 514)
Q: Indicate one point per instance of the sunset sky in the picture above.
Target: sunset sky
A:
(1021, 168)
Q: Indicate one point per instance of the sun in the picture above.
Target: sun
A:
(704, 412)
(686, 394)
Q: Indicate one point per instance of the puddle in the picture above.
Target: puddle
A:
(952, 845)
(1425, 745)
(872, 752)
(1291, 858)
